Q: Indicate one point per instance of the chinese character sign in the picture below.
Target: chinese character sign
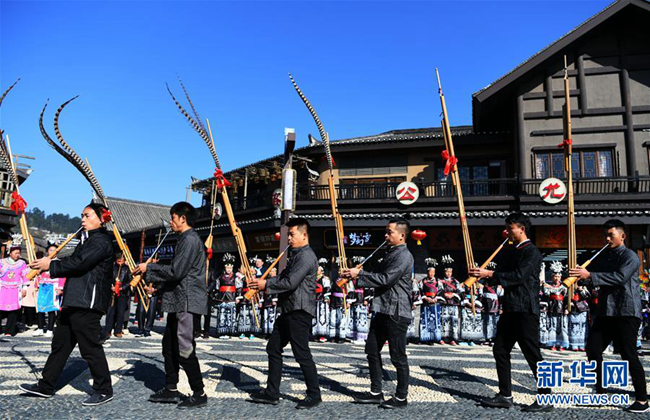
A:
(552, 190)
(549, 374)
(582, 373)
(358, 239)
(407, 193)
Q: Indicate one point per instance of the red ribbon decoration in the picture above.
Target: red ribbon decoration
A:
(107, 216)
(221, 180)
(18, 204)
(450, 161)
(209, 252)
(565, 143)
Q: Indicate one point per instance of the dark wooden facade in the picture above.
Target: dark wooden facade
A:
(503, 157)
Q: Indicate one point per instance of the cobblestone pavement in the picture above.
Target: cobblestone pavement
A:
(446, 382)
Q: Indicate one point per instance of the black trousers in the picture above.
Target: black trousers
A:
(522, 328)
(12, 317)
(78, 326)
(29, 315)
(40, 319)
(293, 327)
(127, 313)
(115, 315)
(173, 359)
(392, 329)
(206, 320)
(146, 318)
(622, 330)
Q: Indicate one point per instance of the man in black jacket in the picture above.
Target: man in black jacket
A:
(86, 294)
(519, 322)
(184, 294)
(296, 289)
(392, 304)
(618, 316)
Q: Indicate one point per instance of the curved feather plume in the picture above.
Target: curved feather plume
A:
(196, 114)
(196, 127)
(49, 140)
(2, 98)
(319, 124)
(71, 156)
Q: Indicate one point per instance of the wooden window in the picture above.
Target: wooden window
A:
(379, 165)
(587, 163)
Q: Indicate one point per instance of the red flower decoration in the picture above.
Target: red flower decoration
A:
(210, 253)
(565, 143)
(450, 162)
(18, 203)
(107, 216)
(221, 180)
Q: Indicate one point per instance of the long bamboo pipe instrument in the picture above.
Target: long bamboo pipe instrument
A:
(470, 281)
(343, 282)
(33, 273)
(134, 282)
(252, 292)
(571, 280)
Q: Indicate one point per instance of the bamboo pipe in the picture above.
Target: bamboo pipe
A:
(252, 292)
(470, 281)
(569, 282)
(33, 273)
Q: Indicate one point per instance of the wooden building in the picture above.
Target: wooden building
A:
(503, 157)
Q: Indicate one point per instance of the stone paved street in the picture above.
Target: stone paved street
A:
(446, 382)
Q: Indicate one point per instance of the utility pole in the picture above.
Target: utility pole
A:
(288, 205)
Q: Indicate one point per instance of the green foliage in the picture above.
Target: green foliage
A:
(56, 222)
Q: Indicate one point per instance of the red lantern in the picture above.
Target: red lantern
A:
(418, 235)
(277, 236)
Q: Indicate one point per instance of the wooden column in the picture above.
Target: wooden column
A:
(630, 146)
(521, 138)
(580, 66)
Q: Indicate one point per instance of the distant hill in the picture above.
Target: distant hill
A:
(56, 222)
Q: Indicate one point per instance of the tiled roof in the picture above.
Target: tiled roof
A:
(563, 41)
(414, 134)
(475, 214)
(133, 216)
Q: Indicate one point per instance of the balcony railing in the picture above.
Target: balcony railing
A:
(474, 188)
(584, 186)
(383, 191)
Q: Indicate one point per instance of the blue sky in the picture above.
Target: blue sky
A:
(367, 67)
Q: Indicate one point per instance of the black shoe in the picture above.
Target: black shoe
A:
(309, 402)
(637, 407)
(97, 399)
(537, 408)
(194, 401)
(165, 396)
(263, 398)
(147, 334)
(35, 389)
(498, 401)
(368, 398)
(394, 403)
